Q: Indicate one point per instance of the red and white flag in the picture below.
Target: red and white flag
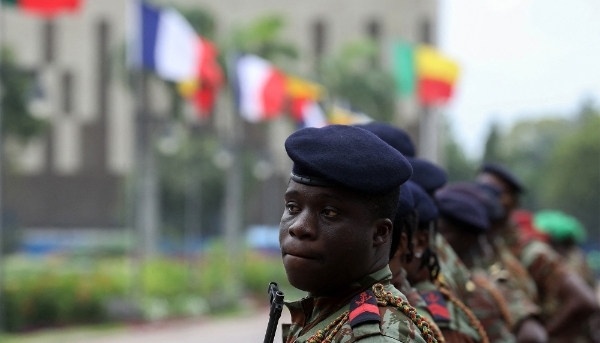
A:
(261, 91)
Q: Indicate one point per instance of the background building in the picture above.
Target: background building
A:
(75, 176)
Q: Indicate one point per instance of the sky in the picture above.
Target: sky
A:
(519, 59)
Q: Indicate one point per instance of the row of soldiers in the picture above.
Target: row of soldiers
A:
(388, 251)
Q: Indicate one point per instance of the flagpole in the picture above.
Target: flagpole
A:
(232, 209)
(1, 174)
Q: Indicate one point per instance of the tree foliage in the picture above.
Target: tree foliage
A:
(352, 77)
(16, 88)
(458, 166)
(263, 37)
(492, 145)
(558, 160)
(571, 178)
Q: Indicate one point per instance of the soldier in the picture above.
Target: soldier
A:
(462, 221)
(457, 322)
(551, 276)
(335, 236)
(508, 274)
(402, 250)
(565, 233)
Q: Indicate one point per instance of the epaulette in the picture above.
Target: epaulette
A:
(363, 308)
(436, 304)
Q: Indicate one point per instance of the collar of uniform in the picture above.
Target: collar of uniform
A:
(311, 310)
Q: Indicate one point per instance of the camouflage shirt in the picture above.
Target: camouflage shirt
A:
(311, 314)
(575, 259)
(489, 306)
(513, 281)
(453, 271)
(447, 313)
(477, 291)
(543, 264)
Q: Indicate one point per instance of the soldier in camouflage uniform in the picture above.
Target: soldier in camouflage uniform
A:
(508, 275)
(565, 233)
(462, 222)
(456, 321)
(551, 276)
(335, 239)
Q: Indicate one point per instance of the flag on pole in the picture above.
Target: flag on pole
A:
(203, 91)
(425, 71)
(164, 42)
(437, 75)
(261, 91)
(46, 8)
(304, 106)
(308, 113)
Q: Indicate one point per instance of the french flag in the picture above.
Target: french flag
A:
(163, 41)
(261, 91)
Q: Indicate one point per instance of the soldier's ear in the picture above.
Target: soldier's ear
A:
(382, 232)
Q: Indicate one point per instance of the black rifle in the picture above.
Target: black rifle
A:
(276, 300)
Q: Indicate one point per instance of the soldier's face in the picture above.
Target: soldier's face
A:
(507, 197)
(326, 238)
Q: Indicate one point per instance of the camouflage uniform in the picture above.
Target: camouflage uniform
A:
(575, 259)
(488, 304)
(412, 295)
(543, 264)
(453, 272)
(477, 291)
(312, 314)
(513, 281)
(449, 316)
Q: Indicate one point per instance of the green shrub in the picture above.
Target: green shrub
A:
(67, 290)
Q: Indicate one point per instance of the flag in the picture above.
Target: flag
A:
(436, 75)
(425, 71)
(46, 8)
(261, 90)
(203, 91)
(343, 116)
(404, 68)
(304, 106)
(299, 88)
(164, 42)
(308, 113)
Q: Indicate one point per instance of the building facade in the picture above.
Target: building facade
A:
(74, 176)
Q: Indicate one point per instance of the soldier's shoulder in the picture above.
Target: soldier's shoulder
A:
(369, 320)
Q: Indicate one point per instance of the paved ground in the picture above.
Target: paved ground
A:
(226, 330)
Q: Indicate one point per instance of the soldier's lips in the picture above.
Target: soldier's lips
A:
(295, 253)
(298, 255)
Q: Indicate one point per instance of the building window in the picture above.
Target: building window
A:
(425, 32)
(374, 32)
(67, 92)
(103, 66)
(319, 39)
(49, 33)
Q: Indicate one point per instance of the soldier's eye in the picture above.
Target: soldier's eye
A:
(292, 208)
(330, 212)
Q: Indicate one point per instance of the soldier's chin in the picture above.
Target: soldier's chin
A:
(303, 282)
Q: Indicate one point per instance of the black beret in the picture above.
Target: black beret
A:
(406, 203)
(488, 196)
(424, 204)
(397, 138)
(427, 175)
(463, 208)
(504, 174)
(348, 157)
